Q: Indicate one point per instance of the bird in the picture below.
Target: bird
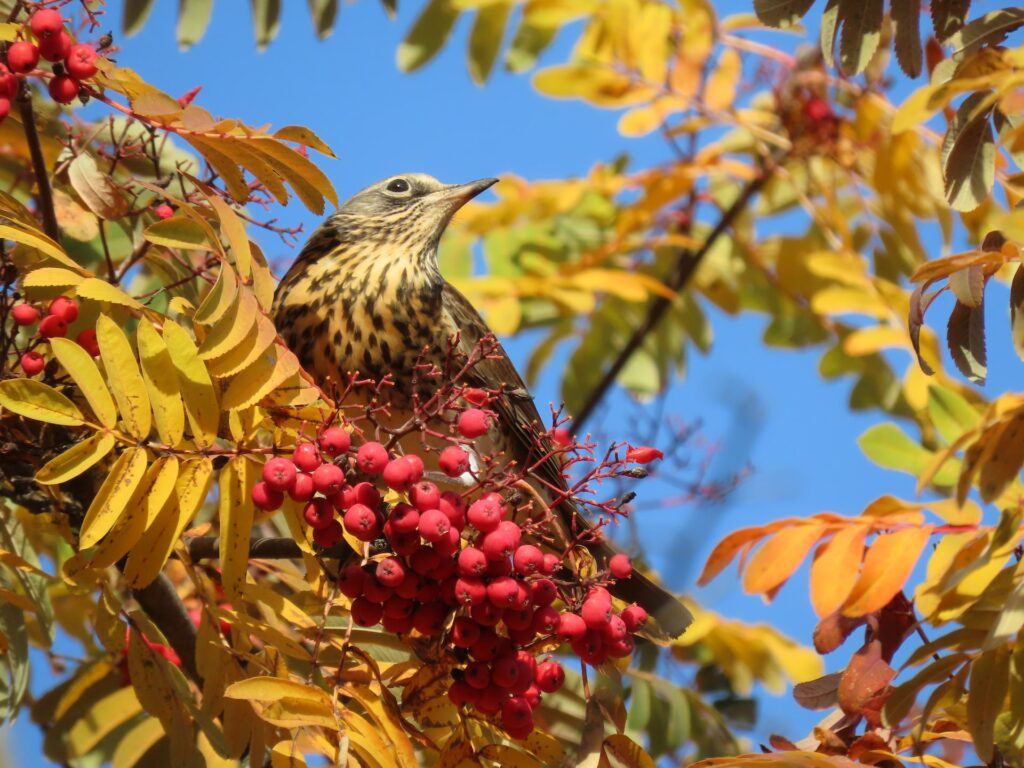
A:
(366, 294)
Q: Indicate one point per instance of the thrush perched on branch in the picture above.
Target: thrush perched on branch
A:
(366, 295)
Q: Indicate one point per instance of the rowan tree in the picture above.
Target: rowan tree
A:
(257, 572)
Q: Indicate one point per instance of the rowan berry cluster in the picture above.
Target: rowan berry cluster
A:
(53, 322)
(71, 62)
(454, 566)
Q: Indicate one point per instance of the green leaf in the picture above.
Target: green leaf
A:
(324, 12)
(485, 39)
(528, 43)
(969, 155)
(134, 15)
(428, 35)
(639, 708)
(266, 21)
(965, 334)
(829, 25)
(13, 663)
(989, 681)
(193, 19)
(890, 447)
(781, 13)
(950, 412)
(861, 33)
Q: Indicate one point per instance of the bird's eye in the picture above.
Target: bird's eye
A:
(398, 186)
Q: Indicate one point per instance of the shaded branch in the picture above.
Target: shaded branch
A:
(45, 197)
(208, 548)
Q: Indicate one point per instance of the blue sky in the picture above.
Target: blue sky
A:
(766, 406)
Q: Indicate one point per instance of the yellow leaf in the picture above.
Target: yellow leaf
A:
(242, 356)
(52, 277)
(989, 682)
(720, 90)
(778, 557)
(623, 752)
(100, 719)
(126, 382)
(236, 513)
(234, 328)
(180, 232)
(85, 679)
(300, 713)
(83, 369)
(100, 290)
(887, 565)
(150, 676)
(35, 400)
(136, 743)
(261, 378)
(834, 567)
(233, 228)
(164, 390)
(287, 754)
(200, 398)
(40, 242)
(267, 689)
(113, 496)
(219, 298)
(76, 459)
(875, 338)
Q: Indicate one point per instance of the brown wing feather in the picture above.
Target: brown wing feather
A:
(518, 413)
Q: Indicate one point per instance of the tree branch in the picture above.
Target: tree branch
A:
(28, 120)
(685, 268)
(208, 548)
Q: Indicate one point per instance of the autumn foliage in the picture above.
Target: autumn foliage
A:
(254, 569)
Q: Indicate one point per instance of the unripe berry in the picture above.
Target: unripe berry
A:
(505, 671)
(306, 457)
(528, 559)
(424, 495)
(473, 423)
(404, 518)
(390, 572)
(620, 566)
(634, 617)
(64, 308)
(351, 581)
(497, 545)
(550, 676)
(472, 562)
(361, 522)
(429, 618)
(302, 489)
(453, 461)
(397, 474)
(477, 674)
(464, 632)
(279, 473)
(543, 592)
(470, 591)
(32, 363)
(24, 314)
(328, 479)
(371, 458)
(56, 48)
(365, 613)
(318, 513)
(485, 514)
(434, 525)
(550, 565)
(546, 620)
(266, 498)
(22, 57)
(571, 627)
(329, 535)
(81, 61)
(45, 23)
(87, 340)
(334, 441)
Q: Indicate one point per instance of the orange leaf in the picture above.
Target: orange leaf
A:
(779, 556)
(834, 568)
(887, 566)
(727, 548)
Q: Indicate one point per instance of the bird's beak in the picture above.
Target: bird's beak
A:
(458, 195)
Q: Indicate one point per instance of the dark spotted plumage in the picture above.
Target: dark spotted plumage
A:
(366, 295)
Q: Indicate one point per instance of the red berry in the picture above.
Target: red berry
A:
(454, 508)
(266, 498)
(64, 308)
(528, 560)
(817, 109)
(405, 544)
(328, 479)
(306, 457)
(409, 586)
(596, 612)
(464, 632)
(620, 648)
(22, 57)
(425, 495)
(532, 696)
(550, 564)
(485, 514)
(516, 715)
(502, 592)
(550, 676)
(56, 48)
(404, 518)
(546, 620)
(424, 560)
(434, 525)
(334, 441)
(397, 474)
(52, 326)
(453, 461)
(518, 619)
(543, 592)
(376, 592)
(473, 423)
(372, 458)
(643, 454)
(634, 617)
(416, 467)
(461, 693)
(302, 489)
(351, 581)
(365, 613)
(318, 513)
(590, 648)
(477, 674)
(489, 645)
(470, 591)
(45, 23)
(448, 545)
(429, 618)
(490, 699)
(390, 572)
(329, 535)
(512, 531)
(497, 545)
(614, 630)
(505, 671)
(397, 625)
(81, 61)
(472, 562)
(163, 211)
(361, 522)
(620, 566)
(32, 363)
(87, 340)
(571, 627)
(561, 437)
(399, 607)
(366, 494)
(279, 473)
(24, 314)
(9, 83)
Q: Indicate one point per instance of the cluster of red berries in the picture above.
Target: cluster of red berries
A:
(444, 567)
(60, 314)
(72, 62)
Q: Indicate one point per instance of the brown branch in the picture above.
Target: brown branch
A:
(684, 270)
(28, 120)
(208, 548)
